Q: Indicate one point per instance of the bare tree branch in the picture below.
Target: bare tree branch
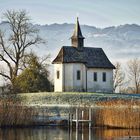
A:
(22, 36)
(5, 49)
(134, 73)
(118, 76)
(5, 76)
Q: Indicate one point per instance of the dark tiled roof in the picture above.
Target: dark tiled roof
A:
(91, 57)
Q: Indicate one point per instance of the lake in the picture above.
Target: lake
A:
(62, 133)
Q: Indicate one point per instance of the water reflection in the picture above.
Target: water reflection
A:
(56, 133)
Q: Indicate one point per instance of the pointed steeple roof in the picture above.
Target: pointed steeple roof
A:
(77, 39)
(77, 31)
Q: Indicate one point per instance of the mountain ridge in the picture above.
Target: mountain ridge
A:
(119, 42)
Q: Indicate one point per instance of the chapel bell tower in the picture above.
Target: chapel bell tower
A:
(77, 39)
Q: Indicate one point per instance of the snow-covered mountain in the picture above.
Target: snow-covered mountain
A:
(119, 43)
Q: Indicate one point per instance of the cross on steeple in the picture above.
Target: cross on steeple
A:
(77, 38)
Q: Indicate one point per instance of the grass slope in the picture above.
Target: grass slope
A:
(73, 98)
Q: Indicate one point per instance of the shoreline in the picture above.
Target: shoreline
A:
(45, 109)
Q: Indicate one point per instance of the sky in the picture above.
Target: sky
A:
(99, 13)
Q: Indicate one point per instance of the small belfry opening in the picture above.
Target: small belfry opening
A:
(77, 39)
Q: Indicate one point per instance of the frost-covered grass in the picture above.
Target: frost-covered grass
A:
(73, 98)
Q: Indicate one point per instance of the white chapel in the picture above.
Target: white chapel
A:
(82, 69)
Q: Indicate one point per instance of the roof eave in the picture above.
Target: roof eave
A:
(101, 67)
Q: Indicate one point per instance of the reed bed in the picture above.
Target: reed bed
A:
(107, 109)
(116, 114)
(15, 115)
(12, 113)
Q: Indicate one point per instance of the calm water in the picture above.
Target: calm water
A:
(56, 133)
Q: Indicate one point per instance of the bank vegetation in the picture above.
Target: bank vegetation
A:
(108, 110)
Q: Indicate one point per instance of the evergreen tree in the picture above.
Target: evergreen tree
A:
(34, 77)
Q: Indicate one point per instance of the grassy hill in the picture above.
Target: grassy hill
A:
(74, 98)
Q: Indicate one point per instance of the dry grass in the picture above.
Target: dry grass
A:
(116, 114)
(15, 115)
(118, 118)
(119, 103)
(119, 114)
(12, 113)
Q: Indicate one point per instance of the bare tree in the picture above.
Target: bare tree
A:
(22, 36)
(118, 76)
(134, 73)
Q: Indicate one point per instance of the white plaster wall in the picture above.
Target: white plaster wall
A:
(79, 85)
(58, 83)
(68, 78)
(70, 82)
(99, 85)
